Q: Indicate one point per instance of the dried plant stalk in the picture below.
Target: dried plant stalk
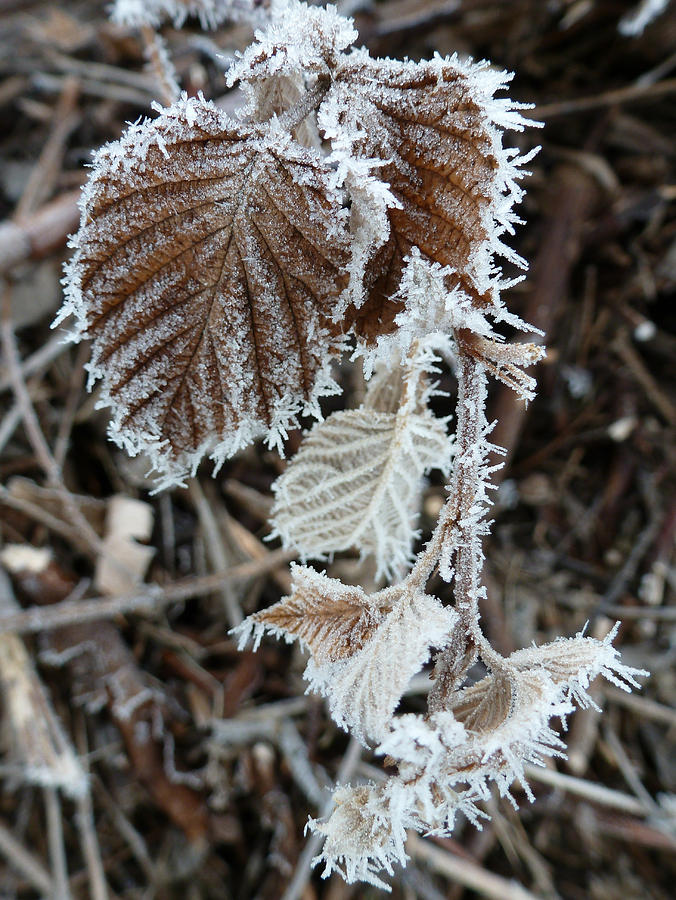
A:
(221, 264)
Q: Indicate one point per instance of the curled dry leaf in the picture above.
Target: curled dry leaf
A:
(334, 620)
(364, 648)
(356, 482)
(505, 362)
(428, 125)
(484, 706)
(431, 131)
(207, 263)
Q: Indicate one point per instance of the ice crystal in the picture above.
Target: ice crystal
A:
(209, 12)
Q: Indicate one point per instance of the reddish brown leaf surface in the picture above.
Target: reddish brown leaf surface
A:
(428, 128)
(207, 264)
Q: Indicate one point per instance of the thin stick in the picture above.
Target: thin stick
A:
(44, 232)
(216, 550)
(37, 440)
(42, 357)
(595, 793)
(24, 862)
(301, 875)
(149, 600)
(642, 706)
(631, 94)
(162, 68)
(9, 425)
(84, 819)
(46, 169)
(38, 514)
(466, 873)
(68, 414)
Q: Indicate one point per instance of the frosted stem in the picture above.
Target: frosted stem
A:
(161, 65)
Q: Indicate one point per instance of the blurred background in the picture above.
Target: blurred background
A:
(142, 755)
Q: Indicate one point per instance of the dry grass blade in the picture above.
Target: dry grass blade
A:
(208, 262)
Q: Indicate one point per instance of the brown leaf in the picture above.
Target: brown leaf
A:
(427, 126)
(333, 619)
(484, 706)
(208, 261)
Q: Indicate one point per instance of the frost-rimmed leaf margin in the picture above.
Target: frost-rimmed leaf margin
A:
(363, 665)
(126, 153)
(445, 768)
(498, 214)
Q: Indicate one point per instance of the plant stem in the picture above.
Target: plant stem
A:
(455, 544)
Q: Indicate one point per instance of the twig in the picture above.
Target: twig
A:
(149, 600)
(40, 235)
(57, 850)
(662, 613)
(25, 863)
(642, 706)
(127, 831)
(595, 793)
(653, 391)
(215, 550)
(634, 93)
(467, 873)
(37, 440)
(301, 875)
(9, 425)
(46, 168)
(70, 409)
(84, 819)
(42, 357)
(628, 771)
(43, 81)
(162, 68)
(38, 514)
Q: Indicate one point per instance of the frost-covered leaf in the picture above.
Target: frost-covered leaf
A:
(356, 482)
(363, 837)
(365, 689)
(483, 706)
(299, 45)
(505, 362)
(503, 720)
(430, 130)
(299, 40)
(207, 263)
(364, 648)
(576, 662)
(332, 619)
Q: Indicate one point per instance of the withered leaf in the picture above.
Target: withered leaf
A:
(356, 482)
(334, 620)
(427, 123)
(365, 648)
(505, 362)
(207, 265)
(484, 706)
